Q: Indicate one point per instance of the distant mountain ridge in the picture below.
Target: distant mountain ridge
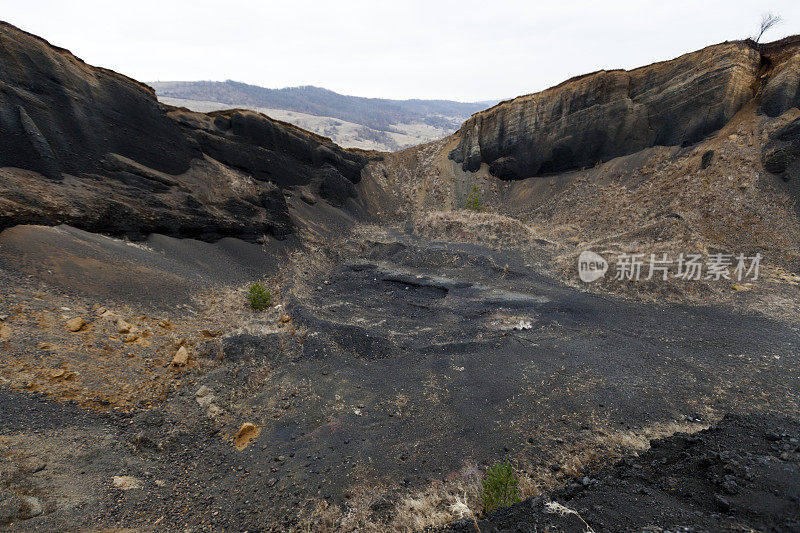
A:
(413, 121)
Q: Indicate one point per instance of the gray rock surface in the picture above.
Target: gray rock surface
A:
(88, 147)
(607, 114)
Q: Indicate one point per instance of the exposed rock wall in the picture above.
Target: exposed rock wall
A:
(607, 114)
(88, 147)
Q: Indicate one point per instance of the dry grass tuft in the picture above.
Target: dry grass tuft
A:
(476, 227)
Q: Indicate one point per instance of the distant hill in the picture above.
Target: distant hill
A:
(352, 121)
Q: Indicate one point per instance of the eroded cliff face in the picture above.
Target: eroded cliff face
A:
(607, 114)
(701, 152)
(88, 147)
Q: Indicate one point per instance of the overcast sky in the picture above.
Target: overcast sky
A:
(460, 50)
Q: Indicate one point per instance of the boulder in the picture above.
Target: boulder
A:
(181, 357)
(75, 324)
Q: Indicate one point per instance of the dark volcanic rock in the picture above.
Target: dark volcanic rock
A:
(721, 479)
(91, 148)
(607, 114)
(783, 149)
(56, 106)
(781, 91)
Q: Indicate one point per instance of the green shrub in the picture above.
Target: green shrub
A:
(259, 296)
(474, 199)
(500, 487)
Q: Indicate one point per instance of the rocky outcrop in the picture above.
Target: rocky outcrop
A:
(607, 114)
(783, 149)
(91, 148)
(781, 156)
(781, 77)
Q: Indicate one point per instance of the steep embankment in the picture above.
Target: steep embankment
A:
(607, 114)
(699, 152)
(88, 147)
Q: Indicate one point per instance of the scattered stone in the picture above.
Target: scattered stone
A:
(59, 374)
(722, 503)
(44, 346)
(522, 325)
(202, 392)
(214, 411)
(245, 435)
(181, 357)
(75, 324)
(126, 482)
(271, 482)
(211, 333)
(285, 319)
(205, 400)
(123, 327)
(130, 337)
(5, 332)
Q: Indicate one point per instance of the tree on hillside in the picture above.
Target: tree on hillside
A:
(768, 20)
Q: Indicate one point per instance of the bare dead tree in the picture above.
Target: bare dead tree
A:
(768, 20)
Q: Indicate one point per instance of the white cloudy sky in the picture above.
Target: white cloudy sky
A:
(461, 50)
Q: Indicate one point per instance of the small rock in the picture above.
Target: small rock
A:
(245, 435)
(285, 319)
(75, 324)
(214, 411)
(123, 327)
(5, 332)
(126, 482)
(722, 503)
(271, 482)
(181, 357)
(202, 391)
(206, 400)
(130, 337)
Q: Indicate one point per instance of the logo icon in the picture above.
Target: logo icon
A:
(591, 266)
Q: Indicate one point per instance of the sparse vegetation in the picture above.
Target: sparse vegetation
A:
(500, 487)
(563, 510)
(474, 199)
(260, 298)
(768, 20)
